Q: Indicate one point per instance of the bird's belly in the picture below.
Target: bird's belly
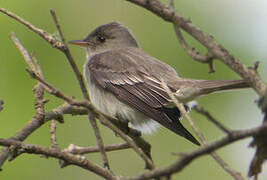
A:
(109, 105)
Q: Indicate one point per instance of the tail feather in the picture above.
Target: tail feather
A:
(208, 84)
(220, 85)
(188, 89)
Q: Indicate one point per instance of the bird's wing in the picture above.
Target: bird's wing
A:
(120, 70)
(132, 84)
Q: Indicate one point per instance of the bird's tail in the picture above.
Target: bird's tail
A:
(188, 89)
(210, 86)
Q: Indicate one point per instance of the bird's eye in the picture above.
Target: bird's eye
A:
(101, 39)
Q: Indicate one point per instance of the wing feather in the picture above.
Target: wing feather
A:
(135, 87)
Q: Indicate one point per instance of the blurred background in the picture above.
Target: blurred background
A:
(240, 26)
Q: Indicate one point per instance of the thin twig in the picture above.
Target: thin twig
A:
(45, 35)
(190, 51)
(38, 118)
(208, 58)
(57, 113)
(36, 122)
(236, 175)
(219, 160)
(53, 124)
(66, 108)
(222, 163)
(104, 121)
(51, 40)
(99, 141)
(85, 150)
(181, 108)
(22, 50)
(66, 51)
(53, 137)
(205, 113)
(49, 88)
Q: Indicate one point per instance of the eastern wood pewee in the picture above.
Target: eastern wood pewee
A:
(125, 83)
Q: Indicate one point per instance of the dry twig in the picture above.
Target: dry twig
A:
(38, 118)
(205, 113)
(187, 158)
(219, 160)
(56, 153)
(85, 150)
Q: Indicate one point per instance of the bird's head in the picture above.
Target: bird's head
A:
(107, 37)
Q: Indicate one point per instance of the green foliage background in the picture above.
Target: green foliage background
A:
(238, 25)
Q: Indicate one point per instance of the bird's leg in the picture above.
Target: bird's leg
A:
(123, 124)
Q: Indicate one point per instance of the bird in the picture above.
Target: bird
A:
(126, 83)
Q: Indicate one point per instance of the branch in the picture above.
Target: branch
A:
(69, 57)
(38, 118)
(66, 108)
(58, 154)
(63, 47)
(208, 58)
(145, 157)
(141, 143)
(35, 123)
(85, 150)
(219, 160)
(260, 143)
(99, 140)
(52, 41)
(52, 90)
(187, 158)
(63, 109)
(175, 167)
(190, 51)
(36, 73)
(159, 9)
(45, 35)
(205, 113)
(53, 138)
(214, 49)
